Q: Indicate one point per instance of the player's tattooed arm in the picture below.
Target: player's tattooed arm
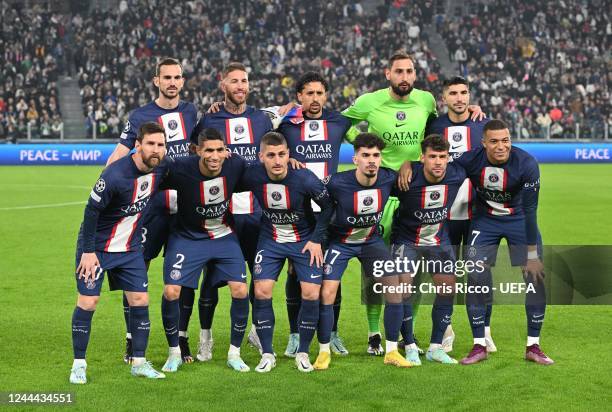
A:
(405, 176)
(215, 107)
(316, 253)
(476, 111)
(88, 266)
(296, 164)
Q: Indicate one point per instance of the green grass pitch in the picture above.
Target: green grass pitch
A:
(38, 295)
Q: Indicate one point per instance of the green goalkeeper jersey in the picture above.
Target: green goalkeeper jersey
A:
(401, 124)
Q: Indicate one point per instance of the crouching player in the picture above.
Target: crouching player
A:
(359, 197)
(110, 241)
(202, 235)
(507, 182)
(419, 234)
(289, 231)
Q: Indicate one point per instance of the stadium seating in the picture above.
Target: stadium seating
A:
(31, 47)
(538, 64)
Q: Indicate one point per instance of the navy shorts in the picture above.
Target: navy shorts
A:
(372, 256)
(486, 233)
(271, 256)
(246, 227)
(126, 271)
(431, 259)
(185, 258)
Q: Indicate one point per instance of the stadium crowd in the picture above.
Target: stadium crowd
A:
(543, 67)
(538, 65)
(279, 40)
(32, 52)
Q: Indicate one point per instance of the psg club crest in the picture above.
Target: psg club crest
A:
(144, 186)
(257, 269)
(435, 195)
(100, 185)
(172, 124)
(327, 269)
(175, 274)
(214, 190)
(400, 115)
(493, 178)
(90, 284)
(368, 200)
(276, 196)
(457, 137)
(314, 126)
(239, 129)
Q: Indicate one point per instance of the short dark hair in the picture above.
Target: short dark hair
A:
(273, 139)
(435, 142)
(455, 80)
(167, 61)
(400, 55)
(368, 140)
(495, 124)
(233, 66)
(149, 128)
(310, 77)
(209, 134)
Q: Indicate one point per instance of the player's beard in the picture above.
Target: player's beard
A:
(235, 102)
(167, 96)
(316, 112)
(152, 161)
(399, 91)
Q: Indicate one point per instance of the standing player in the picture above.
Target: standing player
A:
(398, 115)
(203, 235)
(242, 128)
(288, 231)
(109, 241)
(178, 119)
(359, 196)
(315, 141)
(463, 134)
(419, 232)
(507, 182)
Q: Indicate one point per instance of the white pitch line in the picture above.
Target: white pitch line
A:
(43, 206)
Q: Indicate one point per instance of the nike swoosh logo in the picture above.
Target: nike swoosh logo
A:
(310, 136)
(479, 317)
(366, 209)
(140, 197)
(215, 199)
(275, 205)
(172, 136)
(314, 277)
(538, 316)
(399, 124)
(239, 138)
(455, 147)
(260, 322)
(144, 285)
(243, 276)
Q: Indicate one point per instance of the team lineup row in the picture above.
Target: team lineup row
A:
(224, 202)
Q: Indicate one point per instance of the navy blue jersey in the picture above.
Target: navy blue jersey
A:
(424, 208)
(358, 209)
(286, 210)
(120, 197)
(510, 189)
(178, 123)
(243, 133)
(204, 211)
(316, 142)
(462, 137)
